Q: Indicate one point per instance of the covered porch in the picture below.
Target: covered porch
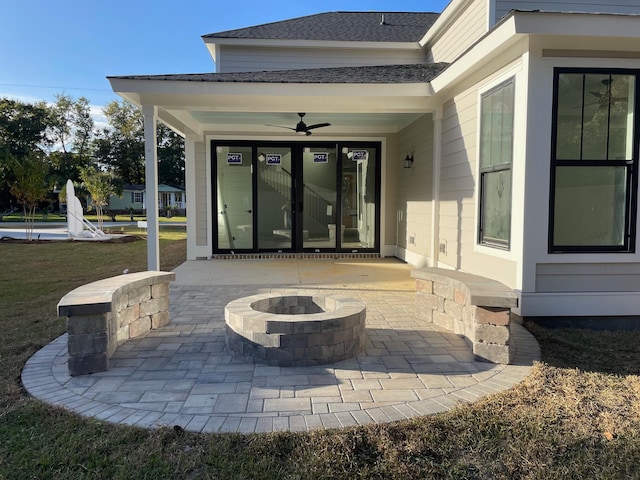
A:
(382, 112)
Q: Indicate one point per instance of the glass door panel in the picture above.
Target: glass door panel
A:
(234, 189)
(358, 198)
(274, 181)
(319, 197)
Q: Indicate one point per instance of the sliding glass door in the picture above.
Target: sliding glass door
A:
(234, 197)
(275, 198)
(296, 197)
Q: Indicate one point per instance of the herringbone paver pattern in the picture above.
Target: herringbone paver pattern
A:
(181, 374)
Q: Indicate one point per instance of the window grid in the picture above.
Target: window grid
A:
(496, 158)
(600, 216)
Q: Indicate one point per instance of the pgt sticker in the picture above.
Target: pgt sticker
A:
(320, 158)
(274, 158)
(234, 158)
(360, 155)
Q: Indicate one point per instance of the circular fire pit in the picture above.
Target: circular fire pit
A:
(295, 330)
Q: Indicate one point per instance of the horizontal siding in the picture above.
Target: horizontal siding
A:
(597, 6)
(464, 32)
(415, 185)
(610, 277)
(390, 188)
(201, 194)
(254, 59)
(458, 190)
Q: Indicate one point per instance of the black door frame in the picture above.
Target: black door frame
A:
(297, 206)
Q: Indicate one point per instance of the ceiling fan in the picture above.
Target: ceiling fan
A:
(302, 128)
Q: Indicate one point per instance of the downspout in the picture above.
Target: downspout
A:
(149, 113)
(435, 203)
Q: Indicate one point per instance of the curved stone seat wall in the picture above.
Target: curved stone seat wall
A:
(104, 314)
(470, 305)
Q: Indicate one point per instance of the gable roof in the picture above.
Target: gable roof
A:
(340, 27)
(412, 73)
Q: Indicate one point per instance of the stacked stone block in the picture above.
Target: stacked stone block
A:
(104, 314)
(475, 307)
(295, 330)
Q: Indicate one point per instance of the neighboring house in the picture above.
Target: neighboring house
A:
(495, 141)
(134, 196)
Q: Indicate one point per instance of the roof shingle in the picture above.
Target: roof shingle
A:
(412, 73)
(340, 27)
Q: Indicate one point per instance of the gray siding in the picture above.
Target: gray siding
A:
(201, 194)
(587, 277)
(252, 59)
(415, 186)
(467, 28)
(458, 190)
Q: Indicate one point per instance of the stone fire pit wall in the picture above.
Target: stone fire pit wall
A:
(295, 330)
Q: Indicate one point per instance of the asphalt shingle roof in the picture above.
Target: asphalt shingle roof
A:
(340, 27)
(413, 73)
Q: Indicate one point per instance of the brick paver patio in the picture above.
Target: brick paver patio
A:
(183, 375)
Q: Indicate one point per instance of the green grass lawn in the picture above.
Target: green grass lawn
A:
(577, 416)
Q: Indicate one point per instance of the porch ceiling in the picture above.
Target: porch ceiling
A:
(261, 122)
(194, 108)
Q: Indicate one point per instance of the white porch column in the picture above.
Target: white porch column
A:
(435, 203)
(151, 184)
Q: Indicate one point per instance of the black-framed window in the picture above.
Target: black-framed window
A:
(594, 161)
(496, 158)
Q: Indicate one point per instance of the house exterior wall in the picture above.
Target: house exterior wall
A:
(251, 59)
(202, 187)
(414, 195)
(469, 25)
(390, 187)
(197, 193)
(124, 202)
(566, 284)
(502, 7)
(459, 179)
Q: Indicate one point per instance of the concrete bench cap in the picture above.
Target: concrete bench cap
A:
(96, 297)
(480, 291)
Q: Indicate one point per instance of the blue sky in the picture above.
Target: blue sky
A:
(70, 46)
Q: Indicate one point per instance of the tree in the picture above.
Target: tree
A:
(101, 186)
(23, 132)
(120, 146)
(30, 186)
(71, 129)
(170, 156)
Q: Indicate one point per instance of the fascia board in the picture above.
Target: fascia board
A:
(254, 42)
(577, 24)
(129, 88)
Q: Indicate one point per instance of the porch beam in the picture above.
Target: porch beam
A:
(149, 112)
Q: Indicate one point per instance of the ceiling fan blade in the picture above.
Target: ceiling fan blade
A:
(318, 125)
(279, 126)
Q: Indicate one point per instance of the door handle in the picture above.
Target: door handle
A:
(248, 211)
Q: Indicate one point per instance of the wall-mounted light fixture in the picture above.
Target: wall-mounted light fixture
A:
(408, 160)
